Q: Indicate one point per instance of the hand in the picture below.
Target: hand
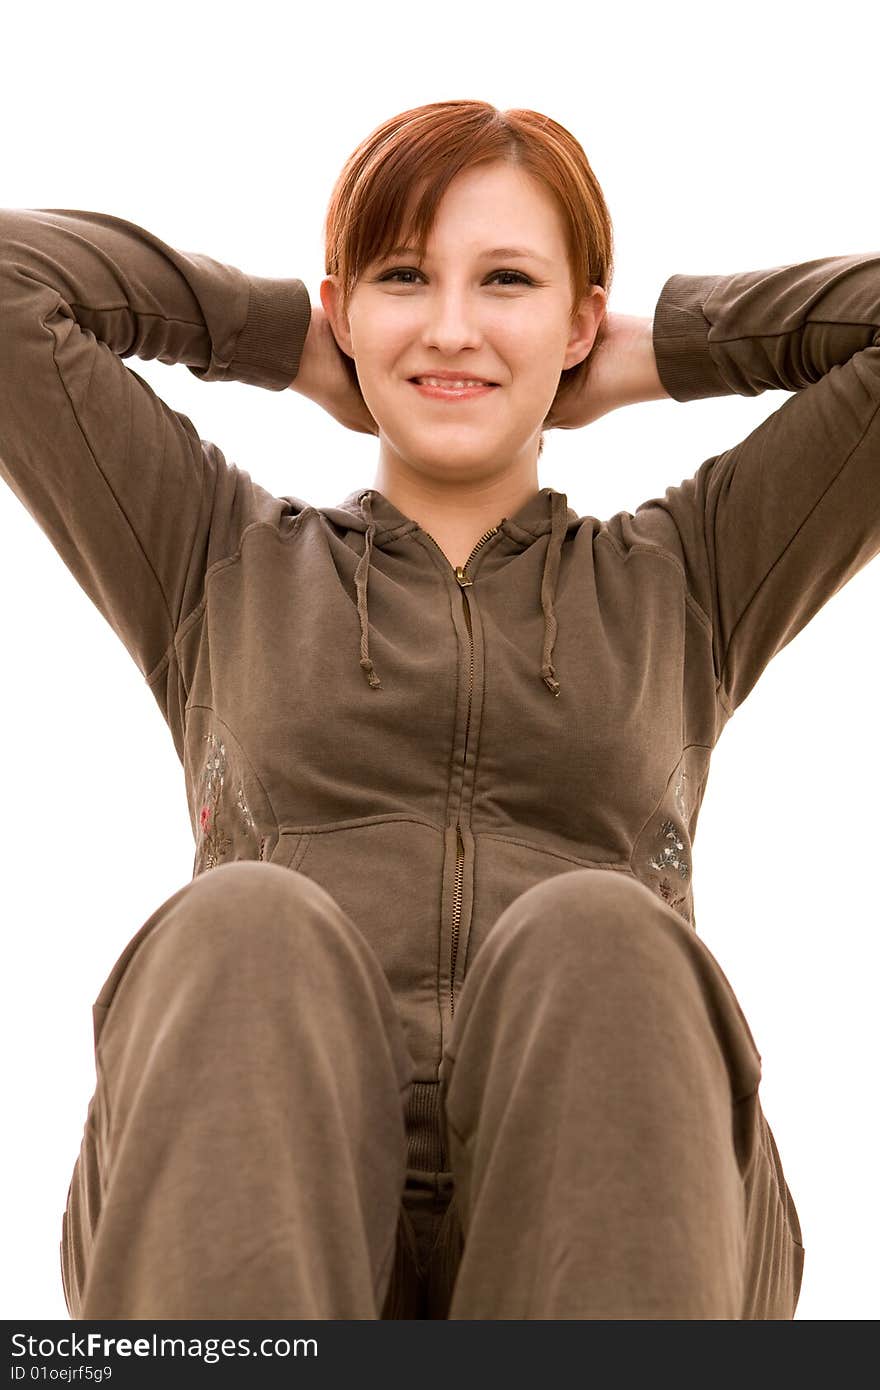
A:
(328, 377)
(620, 369)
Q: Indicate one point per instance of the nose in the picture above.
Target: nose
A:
(451, 322)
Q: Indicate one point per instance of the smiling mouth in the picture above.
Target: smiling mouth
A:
(450, 381)
(449, 391)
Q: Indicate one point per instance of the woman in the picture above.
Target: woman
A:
(436, 1037)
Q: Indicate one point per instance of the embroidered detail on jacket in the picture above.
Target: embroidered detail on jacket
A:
(667, 852)
(214, 843)
(679, 800)
(670, 855)
(669, 895)
(245, 810)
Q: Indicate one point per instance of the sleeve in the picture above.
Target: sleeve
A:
(122, 485)
(770, 529)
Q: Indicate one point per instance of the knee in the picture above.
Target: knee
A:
(599, 949)
(588, 919)
(232, 888)
(247, 914)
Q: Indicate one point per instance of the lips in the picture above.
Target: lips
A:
(452, 394)
(434, 379)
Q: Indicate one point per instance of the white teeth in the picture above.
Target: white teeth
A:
(448, 385)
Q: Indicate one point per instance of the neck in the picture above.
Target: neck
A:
(455, 514)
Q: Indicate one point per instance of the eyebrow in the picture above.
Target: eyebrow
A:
(510, 252)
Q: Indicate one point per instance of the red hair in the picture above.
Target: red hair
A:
(424, 149)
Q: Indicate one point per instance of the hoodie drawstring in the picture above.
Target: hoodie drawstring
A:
(360, 580)
(558, 528)
(549, 579)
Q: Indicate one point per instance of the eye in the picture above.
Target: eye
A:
(518, 277)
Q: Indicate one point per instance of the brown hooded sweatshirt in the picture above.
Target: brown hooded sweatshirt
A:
(427, 742)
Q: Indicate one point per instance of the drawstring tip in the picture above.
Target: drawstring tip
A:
(551, 683)
(367, 665)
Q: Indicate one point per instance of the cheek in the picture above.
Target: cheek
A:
(380, 339)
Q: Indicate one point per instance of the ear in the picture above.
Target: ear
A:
(585, 325)
(331, 298)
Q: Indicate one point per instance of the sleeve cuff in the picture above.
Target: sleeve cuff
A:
(270, 345)
(681, 339)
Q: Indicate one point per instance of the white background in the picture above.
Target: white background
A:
(724, 140)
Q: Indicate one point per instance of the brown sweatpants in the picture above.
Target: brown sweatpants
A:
(245, 1150)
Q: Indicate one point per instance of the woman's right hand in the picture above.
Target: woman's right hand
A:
(328, 377)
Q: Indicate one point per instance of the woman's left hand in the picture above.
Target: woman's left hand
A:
(621, 369)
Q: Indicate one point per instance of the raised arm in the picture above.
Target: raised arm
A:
(122, 485)
(770, 529)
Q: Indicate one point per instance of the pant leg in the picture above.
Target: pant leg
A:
(244, 1151)
(600, 1096)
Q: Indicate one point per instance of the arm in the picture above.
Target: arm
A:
(767, 531)
(135, 503)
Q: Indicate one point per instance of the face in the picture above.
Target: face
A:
(502, 318)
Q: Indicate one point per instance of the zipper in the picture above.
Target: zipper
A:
(465, 582)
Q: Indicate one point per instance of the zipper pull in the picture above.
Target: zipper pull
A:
(463, 579)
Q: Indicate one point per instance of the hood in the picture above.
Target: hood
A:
(370, 512)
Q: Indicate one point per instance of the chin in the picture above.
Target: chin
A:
(461, 442)
(451, 461)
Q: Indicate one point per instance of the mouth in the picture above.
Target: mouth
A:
(452, 391)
